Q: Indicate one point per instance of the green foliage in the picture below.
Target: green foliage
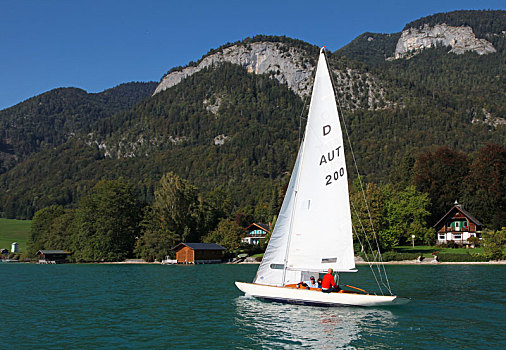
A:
(178, 215)
(485, 190)
(371, 48)
(52, 118)
(175, 210)
(106, 223)
(494, 244)
(433, 99)
(368, 215)
(440, 174)
(484, 22)
(407, 213)
(395, 256)
(449, 257)
(228, 234)
(396, 215)
(153, 245)
(41, 228)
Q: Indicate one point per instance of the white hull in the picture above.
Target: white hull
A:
(314, 297)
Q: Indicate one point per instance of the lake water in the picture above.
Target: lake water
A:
(198, 307)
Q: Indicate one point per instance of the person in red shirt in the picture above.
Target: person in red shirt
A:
(328, 284)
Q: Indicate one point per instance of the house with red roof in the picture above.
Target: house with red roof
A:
(255, 233)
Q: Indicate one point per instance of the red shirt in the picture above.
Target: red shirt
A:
(327, 281)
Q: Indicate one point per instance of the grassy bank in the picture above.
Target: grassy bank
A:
(426, 251)
(14, 231)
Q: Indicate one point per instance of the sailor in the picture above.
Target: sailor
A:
(328, 284)
(308, 284)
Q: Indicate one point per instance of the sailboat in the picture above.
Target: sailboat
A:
(314, 229)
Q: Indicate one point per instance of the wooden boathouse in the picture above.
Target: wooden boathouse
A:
(198, 253)
(53, 256)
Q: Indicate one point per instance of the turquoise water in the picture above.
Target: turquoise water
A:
(188, 307)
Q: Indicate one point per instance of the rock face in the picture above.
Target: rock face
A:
(289, 66)
(461, 39)
(259, 58)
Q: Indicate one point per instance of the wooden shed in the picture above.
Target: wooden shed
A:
(53, 256)
(198, 253)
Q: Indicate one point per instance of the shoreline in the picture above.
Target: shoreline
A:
(409, 262)
(431, 263)
(359, 262)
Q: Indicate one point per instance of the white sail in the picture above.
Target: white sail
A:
(271, 269)
(321, 236)
(313, 231)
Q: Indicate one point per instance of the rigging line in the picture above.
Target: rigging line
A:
(365, 250)
(301, 116)
(366, 256)
(341, 115)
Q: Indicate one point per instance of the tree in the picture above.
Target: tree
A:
(227, 234)
(485, 191)
(153, 246)
(406, 214)
(368, 214)
(175, 210)
(213, 206)
(494, 244)
(41, 228)
(107, 223)
(61, 231)
(441, 174)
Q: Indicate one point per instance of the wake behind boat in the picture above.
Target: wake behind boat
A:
(314, 229)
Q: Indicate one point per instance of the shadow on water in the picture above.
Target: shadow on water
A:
(278, 326)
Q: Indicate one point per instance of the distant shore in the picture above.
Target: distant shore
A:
(358, 262)
(412, 262)
(431, 262)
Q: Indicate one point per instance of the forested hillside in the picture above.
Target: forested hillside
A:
(220, 128)
(52, 118)
(225, 128)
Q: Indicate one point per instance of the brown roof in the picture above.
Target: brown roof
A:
(201, 246)
(463, 211)
(264, 227)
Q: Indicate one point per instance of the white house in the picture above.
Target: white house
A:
(255, 233)
(457, 225)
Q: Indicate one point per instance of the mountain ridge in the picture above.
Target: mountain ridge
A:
(230, 126)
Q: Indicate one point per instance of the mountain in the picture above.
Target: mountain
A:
(52, 118)
(231, 120)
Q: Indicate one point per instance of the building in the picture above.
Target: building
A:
(198, 253)
(255, 233)
(53, 256)
(14, 247)
(458, 225)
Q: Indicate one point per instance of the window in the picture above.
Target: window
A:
(441, 236)
(457, 236)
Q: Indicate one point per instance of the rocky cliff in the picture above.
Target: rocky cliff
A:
(460, 39)
(290, 66)
(259, 58)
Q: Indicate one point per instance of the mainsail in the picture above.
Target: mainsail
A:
(313, 231)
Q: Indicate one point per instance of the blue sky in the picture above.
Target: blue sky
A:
(95, 45)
